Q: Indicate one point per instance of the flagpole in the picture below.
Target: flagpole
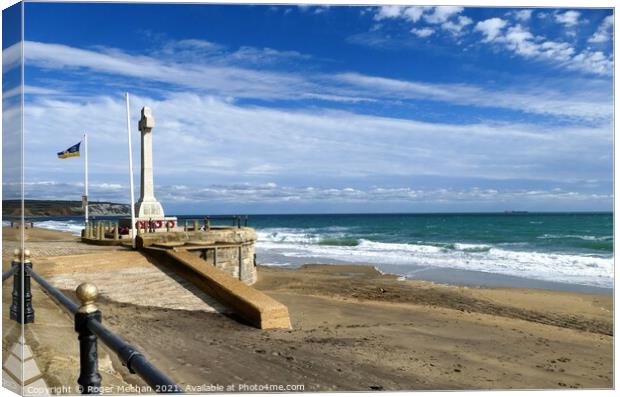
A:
(86, 179)
(132, 229)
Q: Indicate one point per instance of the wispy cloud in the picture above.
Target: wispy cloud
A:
(604, 31)
(513, 34)
(230, 80)
(272, 193)
(446, 17)
(422, 32)
(442, 14)
(224, 80)
(542, 101)
(521, 15)
(523, 42)
(221, 141)
(568, 18)
(11, 57)
(490, 28)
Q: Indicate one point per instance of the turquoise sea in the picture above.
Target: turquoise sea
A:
(571, 248)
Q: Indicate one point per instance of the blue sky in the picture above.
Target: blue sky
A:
(325, 109)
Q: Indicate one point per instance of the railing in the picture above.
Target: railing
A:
(192, 224)
(88, 325)
(112, 231)
(9, 272)
(236, 219)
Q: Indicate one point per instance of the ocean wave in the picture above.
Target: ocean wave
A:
(472, 247)
(577, 269)
(71, 226)
(285, 235)
(575, 236)
(336, 243)
(339, 241)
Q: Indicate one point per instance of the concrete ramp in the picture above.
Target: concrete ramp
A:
(253, 306)
(127, 277)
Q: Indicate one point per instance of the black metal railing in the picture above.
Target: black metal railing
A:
(207, 222)
(237, 220)
(88, 325)
(9, 273)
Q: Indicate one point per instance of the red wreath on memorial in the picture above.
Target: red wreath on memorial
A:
(170, 224)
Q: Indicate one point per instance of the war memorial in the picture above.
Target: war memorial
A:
(227, 248)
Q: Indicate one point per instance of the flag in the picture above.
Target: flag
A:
(73, 151)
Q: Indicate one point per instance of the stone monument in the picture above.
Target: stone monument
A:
(229, 248)
(147, 206)
(149, 212)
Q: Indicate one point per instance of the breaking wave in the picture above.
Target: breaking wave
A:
(590, 270)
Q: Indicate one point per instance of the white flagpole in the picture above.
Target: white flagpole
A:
(85, 179)
(132, 230)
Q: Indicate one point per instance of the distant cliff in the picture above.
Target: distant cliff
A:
(62, 208)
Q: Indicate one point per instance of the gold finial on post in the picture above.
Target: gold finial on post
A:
(17, 255)
(87, 294)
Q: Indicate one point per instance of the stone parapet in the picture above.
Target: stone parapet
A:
(229, 249)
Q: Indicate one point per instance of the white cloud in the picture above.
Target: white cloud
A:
(200, 140)
(11, 57)
(422, 32)
(490, 28)
(456, 28)
(385, 12)
(225, 80)
(568, 18)
(236, 82)
(523, 15)
(604, 31)
(446, 16)
(516, 38)
(522, 42)
(414, 13)
(593, 61)
(545, 100)
(271, 193)
(441, 14)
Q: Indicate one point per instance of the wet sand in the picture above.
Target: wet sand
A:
(355, 329)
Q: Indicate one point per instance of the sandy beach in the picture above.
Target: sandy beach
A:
(353, 329)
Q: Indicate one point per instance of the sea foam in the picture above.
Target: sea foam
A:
(559, 267)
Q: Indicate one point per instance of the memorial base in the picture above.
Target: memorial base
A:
(152, 225)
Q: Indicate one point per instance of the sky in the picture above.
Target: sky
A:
(289, 109)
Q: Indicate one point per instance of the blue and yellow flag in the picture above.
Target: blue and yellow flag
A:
(73, 151)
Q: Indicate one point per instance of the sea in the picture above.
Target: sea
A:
(565, 251)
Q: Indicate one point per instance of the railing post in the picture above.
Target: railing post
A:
(89, 379)
(20, 302)
(15, 310)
